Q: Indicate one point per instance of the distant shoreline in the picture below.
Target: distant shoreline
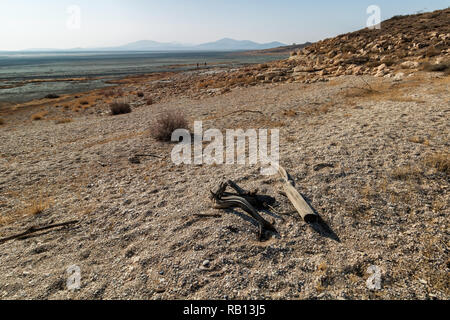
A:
(32, 76)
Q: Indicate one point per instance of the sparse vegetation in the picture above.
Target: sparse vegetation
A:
(439, 161)
(289, 113)
(38, 205)
(432, 52)
(117, 92)
(63, 120)
(439, 67)
(166, 124)
(420, 140)
(39, 115)
(140, 94)
(2, 121)
(119, 108)
(109, 93)
(406, 172)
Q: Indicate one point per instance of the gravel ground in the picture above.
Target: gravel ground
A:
(366, 163)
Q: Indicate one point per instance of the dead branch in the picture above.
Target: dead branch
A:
(224, 201)
(302, 207)
(258, 201)
(35, 229)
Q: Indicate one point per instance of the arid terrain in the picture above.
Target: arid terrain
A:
(363, 133)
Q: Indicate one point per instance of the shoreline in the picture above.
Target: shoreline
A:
(58, 80)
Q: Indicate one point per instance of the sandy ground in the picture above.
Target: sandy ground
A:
(371, 164)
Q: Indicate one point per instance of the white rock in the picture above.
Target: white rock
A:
(409, 65)
(399, 76)
(381, 67)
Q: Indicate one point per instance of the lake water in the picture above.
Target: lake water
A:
(97, 67)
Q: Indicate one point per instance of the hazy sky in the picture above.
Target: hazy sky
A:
(44, 23)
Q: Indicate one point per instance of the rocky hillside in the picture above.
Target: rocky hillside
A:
(405, 42)
(403, 45)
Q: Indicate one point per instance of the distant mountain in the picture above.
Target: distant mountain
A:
(232, 45)
(148, 45)
(225, 44)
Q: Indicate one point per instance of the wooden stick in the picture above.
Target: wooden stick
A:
(37, 229)
(302, 207)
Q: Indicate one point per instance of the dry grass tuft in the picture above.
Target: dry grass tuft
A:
(382, 91)
(166, 124)
(289, 113)
(439, 67)
(420, 140)
(109, 93)
(39, 115)
(38, 206)
(439, 161)
(119, 108)
(63, 120)
(406, 172)
(439, 204)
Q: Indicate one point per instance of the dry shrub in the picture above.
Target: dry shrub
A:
(39, 115)
(166, 124)
(109, 93)
(439, 161)
(231, 81)
(416, 139)
(289, 113)
(262, 66)
(38, 206)
(149, 101)
(84, 102)
(140, 94)
(432, 52)
(439, 67)
(390, 62)
(382, 91)
(406, 172)
(119, 108)
(113, 93)
(119, 92)
(63, 120)
(2, 121)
